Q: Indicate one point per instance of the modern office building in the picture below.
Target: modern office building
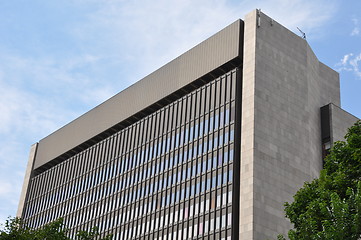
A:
(209, 146)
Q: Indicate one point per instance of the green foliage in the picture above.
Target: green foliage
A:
(330, 207)
(84, 235)
(16, 229)
(54, 231)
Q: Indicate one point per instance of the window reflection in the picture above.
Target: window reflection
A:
(145, 184)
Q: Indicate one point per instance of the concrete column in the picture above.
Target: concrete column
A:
(25, 188)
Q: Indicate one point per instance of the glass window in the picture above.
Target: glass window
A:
(200, 231)
(177, 196)
(214, 181)
(200, 148)
(131, 160)
(219, 200)
(191, 212)
(198, 186)
(211, 121)
(176, 215)
(206, 225)
(175, 177)
(216, 120)
(220, 157)
(206, 124)
(186, 213)
(209, 165)
(196, 131)
(195, 229)
(218, 222)
(182, 193)
(231, 155)
(211, 227)
(186, 139)
(229, 219)
(207, 204)
(201, 205)
(169, 178)
(201, 125)
(208, 182)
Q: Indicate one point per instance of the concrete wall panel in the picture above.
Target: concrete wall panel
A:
(29, 168)
(284, 87)
(340, 122)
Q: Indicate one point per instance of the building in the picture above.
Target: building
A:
(220, 138)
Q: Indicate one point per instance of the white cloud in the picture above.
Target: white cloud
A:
(350, 63)
(10, 188)
(5, 188)
(356, 29)
(150, 33)
(37, 96)
(298, 13)
(355, 64)
(31, 95)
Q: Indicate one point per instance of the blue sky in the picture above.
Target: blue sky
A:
(59, 59)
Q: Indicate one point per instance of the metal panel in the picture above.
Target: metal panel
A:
(203, 58)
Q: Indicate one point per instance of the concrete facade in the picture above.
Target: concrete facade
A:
(340, 122)
(284, 86)
(278, 118)
(27, 178)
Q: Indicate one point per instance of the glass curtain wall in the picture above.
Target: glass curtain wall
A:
(167, 176)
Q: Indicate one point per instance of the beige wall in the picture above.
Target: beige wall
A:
(284, 86)
(27, 176)
(340, 122)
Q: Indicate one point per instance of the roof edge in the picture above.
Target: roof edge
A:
(207, 56)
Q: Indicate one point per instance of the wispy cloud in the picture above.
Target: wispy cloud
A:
(37, 96)
(350, 63)
(356, 27)
(303, 14)
(150, 33)
(38, 92)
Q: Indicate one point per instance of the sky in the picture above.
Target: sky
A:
(59, 59)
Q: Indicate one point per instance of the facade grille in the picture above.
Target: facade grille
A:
(167, 176)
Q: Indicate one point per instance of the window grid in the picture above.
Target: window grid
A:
(164, 164)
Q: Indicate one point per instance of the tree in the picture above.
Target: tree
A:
(330, 207)
(16, 229)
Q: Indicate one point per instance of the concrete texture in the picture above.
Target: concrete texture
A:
(27, 176)
(340, 122)
(284, 86)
